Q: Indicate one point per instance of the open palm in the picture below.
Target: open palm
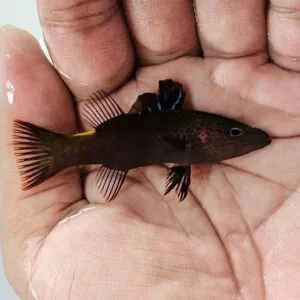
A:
(237, 234)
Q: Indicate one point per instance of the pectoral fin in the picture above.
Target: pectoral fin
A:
(179, 178)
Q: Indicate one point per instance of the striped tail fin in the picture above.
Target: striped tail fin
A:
(37, 151)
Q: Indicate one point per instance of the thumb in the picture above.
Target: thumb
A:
(31, 91)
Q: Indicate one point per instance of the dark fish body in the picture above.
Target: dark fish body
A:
(135, 140)
(157, 130)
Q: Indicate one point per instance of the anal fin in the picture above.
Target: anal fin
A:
(109, 182)
(179, 178)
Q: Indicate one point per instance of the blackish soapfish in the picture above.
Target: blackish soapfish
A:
(156, 130)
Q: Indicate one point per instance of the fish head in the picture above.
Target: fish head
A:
(223, 138)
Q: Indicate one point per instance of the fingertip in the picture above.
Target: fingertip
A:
(28, 82)
(15, 41)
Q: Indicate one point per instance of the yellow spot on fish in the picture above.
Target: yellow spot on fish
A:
(87, 133)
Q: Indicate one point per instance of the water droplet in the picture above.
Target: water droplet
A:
(10, 97)
(10, 92)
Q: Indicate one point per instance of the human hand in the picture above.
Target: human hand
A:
(237, 234)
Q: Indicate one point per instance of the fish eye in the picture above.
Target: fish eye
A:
(236, 132)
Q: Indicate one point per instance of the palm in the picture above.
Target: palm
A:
(236, 234)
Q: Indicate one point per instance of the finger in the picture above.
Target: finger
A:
(88, 42)
(284, 33)
(30, 91)
(231, 28)
(162, 30)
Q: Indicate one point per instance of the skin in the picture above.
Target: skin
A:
(237, 235)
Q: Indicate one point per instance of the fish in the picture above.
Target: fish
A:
(156, 130)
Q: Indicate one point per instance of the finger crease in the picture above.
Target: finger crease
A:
(213, 53)
(293, 58)
(76, 4)
(289, 191)
(292, 13)
(156, 56)
(82, 19)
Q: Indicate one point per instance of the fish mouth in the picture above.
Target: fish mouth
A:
(268, 141)
(263, 139)
(267, 138)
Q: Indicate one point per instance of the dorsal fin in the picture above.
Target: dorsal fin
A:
(100, 107)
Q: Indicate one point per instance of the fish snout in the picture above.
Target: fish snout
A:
(262, 137)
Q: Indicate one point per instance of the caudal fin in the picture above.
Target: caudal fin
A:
(37, 152)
